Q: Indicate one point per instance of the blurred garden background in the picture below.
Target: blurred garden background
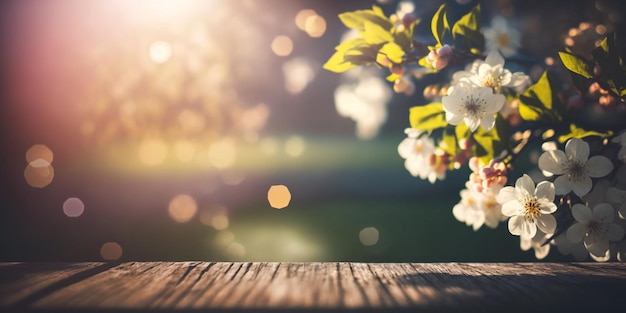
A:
(154, 130)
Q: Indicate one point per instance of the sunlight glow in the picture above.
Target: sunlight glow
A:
(222, 153)
(160, 52)
(152, 152)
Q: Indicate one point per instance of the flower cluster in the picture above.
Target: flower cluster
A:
(495, 119)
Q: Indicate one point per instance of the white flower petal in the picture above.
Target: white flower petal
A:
(553, 161)
(581, 187)
(488, 121)
(562, 185)
(542, 251)
(525, 243)
(495, 103)
(603, 213)
(452, 103)
(484, 70)
(577, 150)
(616, 195)
(525, 185)
(545, 190)
(453, 119)
(459, 211)
(576, 232)
(506, 194)
(598, 166)
(529, 229)
(581, 213)
(406, 147)
(471, 122)
(546, 207)
(519, 80)
(494, 58)
(512, 208)
(596, 245)
(546, 223)
(614, 232)
(516, 225)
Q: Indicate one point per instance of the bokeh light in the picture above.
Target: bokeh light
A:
(298, 72)
(236, 250)
(39, 173)
(182, 208)
(111, 251)
(302, 16)
(268, 146)
(160, 52)
(219, 221)
(73, 207)
(152, 152)
(222, 153)
(295, 146)
(185, 150)
(282, 45)
(369, 236)
(315, 26)
(39, 152)
(279, 196)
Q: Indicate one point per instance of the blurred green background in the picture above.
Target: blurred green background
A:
(141, 102)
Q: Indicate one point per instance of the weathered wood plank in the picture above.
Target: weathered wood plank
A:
(19, 281)
(429, 287)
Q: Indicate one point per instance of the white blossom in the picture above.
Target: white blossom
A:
(537, 243)
(566, 247)
(617, 197)
(499, 36)
(491, 73)
(621, 139)
(595, 226)
(416, 149)
(473, 105)
(468, 210)
(528, 207)
(575, 167)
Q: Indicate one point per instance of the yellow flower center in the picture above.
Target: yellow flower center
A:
(531, 209)
(503, 40)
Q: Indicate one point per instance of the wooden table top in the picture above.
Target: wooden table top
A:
(331, 287)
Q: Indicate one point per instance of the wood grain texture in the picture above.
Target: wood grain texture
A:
(258, 286)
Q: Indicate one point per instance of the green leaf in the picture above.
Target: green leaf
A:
(439, 24)
(350, 54)
(462, 131)
(428, 117)
(489, 143)
(375, 34)
(393, 52)
(613, 72)
(540, 102)
(576, 64)
(449, 141)
(357, 19)
(467, 30)
(576, 132)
